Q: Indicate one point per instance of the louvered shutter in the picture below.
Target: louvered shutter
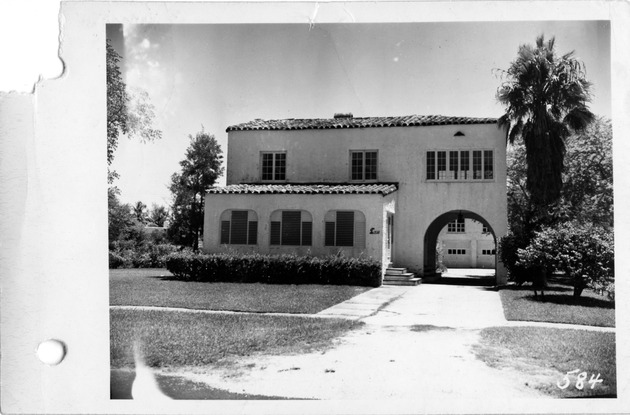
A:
(329, 238)
(252, 233)
(275, 233)
(307, 233)
(291, 227)
(238, 232)
(225, 232)
(345, 229)
(359, 234)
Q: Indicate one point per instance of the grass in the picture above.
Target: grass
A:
(557, 350)
(156, 287)
(177, 339)
(176, 387)
(558, 306)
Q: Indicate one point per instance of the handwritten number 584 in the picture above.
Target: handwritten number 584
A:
(579, 383)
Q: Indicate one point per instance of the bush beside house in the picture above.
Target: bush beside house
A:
(584, 252)
(275, 269)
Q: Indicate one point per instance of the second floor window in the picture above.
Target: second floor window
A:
(274, 166)
(457, 165)
(363, 165)
(457, 226)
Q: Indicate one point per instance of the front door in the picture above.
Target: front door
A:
(389, 238)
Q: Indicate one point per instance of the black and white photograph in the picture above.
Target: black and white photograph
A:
(302, 207)
(354, 211)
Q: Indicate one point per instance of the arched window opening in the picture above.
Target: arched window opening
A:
(239, 227)
(292, 228)
(344, 228)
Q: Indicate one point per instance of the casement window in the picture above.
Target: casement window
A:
(456, 165)
(456, 252)
(291, 227)
(488, 252)
(363, 165)
(239, 227)
(344, 228)
(273, 166)
(457, 226)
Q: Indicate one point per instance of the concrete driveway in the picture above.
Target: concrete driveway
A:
(417, 343)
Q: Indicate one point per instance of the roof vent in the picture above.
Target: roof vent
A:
(459, 134)
(343, 115)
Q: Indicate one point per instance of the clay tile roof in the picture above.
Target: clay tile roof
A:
(357, 122)
(374, 188)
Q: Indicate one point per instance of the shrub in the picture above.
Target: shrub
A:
(508, 255)
(115, 260)
(128, 254)
(274, 269)
(583, 251)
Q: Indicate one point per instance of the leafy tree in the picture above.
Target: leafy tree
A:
(200, 170)
(158, 215)
(586, 197)
(583, 251)
(128, 113)
(546, 98)
(119, 215)
(587, 193)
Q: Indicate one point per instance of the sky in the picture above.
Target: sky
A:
(213, 76)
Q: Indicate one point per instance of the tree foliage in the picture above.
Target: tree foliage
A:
(199, 171)
(546, 99)
(586, 198)
(128, 112)
(120, 216)
(158, 215)
(582, 251)
(139, 212)
(587, 193)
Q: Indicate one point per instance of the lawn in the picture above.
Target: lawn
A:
(178, 338)
(156, 287)
(558, 306)
(562, 350)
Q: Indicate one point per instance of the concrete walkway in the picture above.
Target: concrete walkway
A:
(456, 306)
(437, 305)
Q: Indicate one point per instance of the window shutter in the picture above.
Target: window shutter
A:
(225, 232)
(239, 227)
(430, 165)
(345, 229)
(359, 234)
(291, 227)
(275, 233)
(307, 233)
(329, 238)
(252, 237)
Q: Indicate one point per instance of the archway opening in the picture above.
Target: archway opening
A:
(460, 248)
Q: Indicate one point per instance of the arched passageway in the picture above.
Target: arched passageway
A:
(433, 231)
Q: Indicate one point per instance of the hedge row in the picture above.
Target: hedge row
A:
(274, 269)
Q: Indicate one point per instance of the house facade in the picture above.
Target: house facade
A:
(378, 186)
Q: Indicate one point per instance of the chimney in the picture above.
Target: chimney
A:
(343, 115)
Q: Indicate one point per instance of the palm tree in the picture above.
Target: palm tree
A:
(546, 96)
(138, 211)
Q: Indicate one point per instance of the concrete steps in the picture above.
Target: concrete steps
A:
(400, 276)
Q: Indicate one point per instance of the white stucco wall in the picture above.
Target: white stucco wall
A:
(324, 156)
(373, 206)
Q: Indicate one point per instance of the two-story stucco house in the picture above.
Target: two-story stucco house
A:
(378, 186)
